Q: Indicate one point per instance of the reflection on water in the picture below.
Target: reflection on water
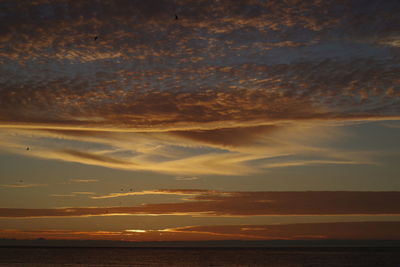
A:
(273, 257)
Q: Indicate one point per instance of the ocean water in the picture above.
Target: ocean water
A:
(273, 257)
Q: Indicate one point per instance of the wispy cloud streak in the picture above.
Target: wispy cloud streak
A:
(22, 185)
(218, 203)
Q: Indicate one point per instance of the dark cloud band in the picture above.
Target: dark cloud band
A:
(217, 203)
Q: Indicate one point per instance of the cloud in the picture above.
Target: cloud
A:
(226, 151)
(393, 42)
(74, 194)
(305, 231)
(312, 162)
(184, 178)
(269, 96)
(22, 185)
(228, 136)
(180, 192)
(83, 193)
(84, 180)
(92, 157)
(242, 77)
(391, 125)
(125, 28)
(229, 79)
(241, 204)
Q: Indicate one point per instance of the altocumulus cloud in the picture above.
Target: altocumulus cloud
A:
(234, 80)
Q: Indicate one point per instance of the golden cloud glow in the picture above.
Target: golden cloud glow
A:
(224, 151)
(136, 231)
(316, 231)
(180, 192)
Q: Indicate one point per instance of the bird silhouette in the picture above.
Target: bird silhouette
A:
(176, 16)
(96, 37)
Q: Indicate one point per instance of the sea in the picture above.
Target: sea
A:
(192, 257)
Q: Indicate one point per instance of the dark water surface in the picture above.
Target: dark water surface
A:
(274, 257)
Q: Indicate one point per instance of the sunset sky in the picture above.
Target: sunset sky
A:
(200, 120)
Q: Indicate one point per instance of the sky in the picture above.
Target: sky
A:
(200, 120)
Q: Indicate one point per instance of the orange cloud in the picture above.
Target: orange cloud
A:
(180, 192)
(209, 148)
(228, 136)
(305, 231)
(93, 157)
